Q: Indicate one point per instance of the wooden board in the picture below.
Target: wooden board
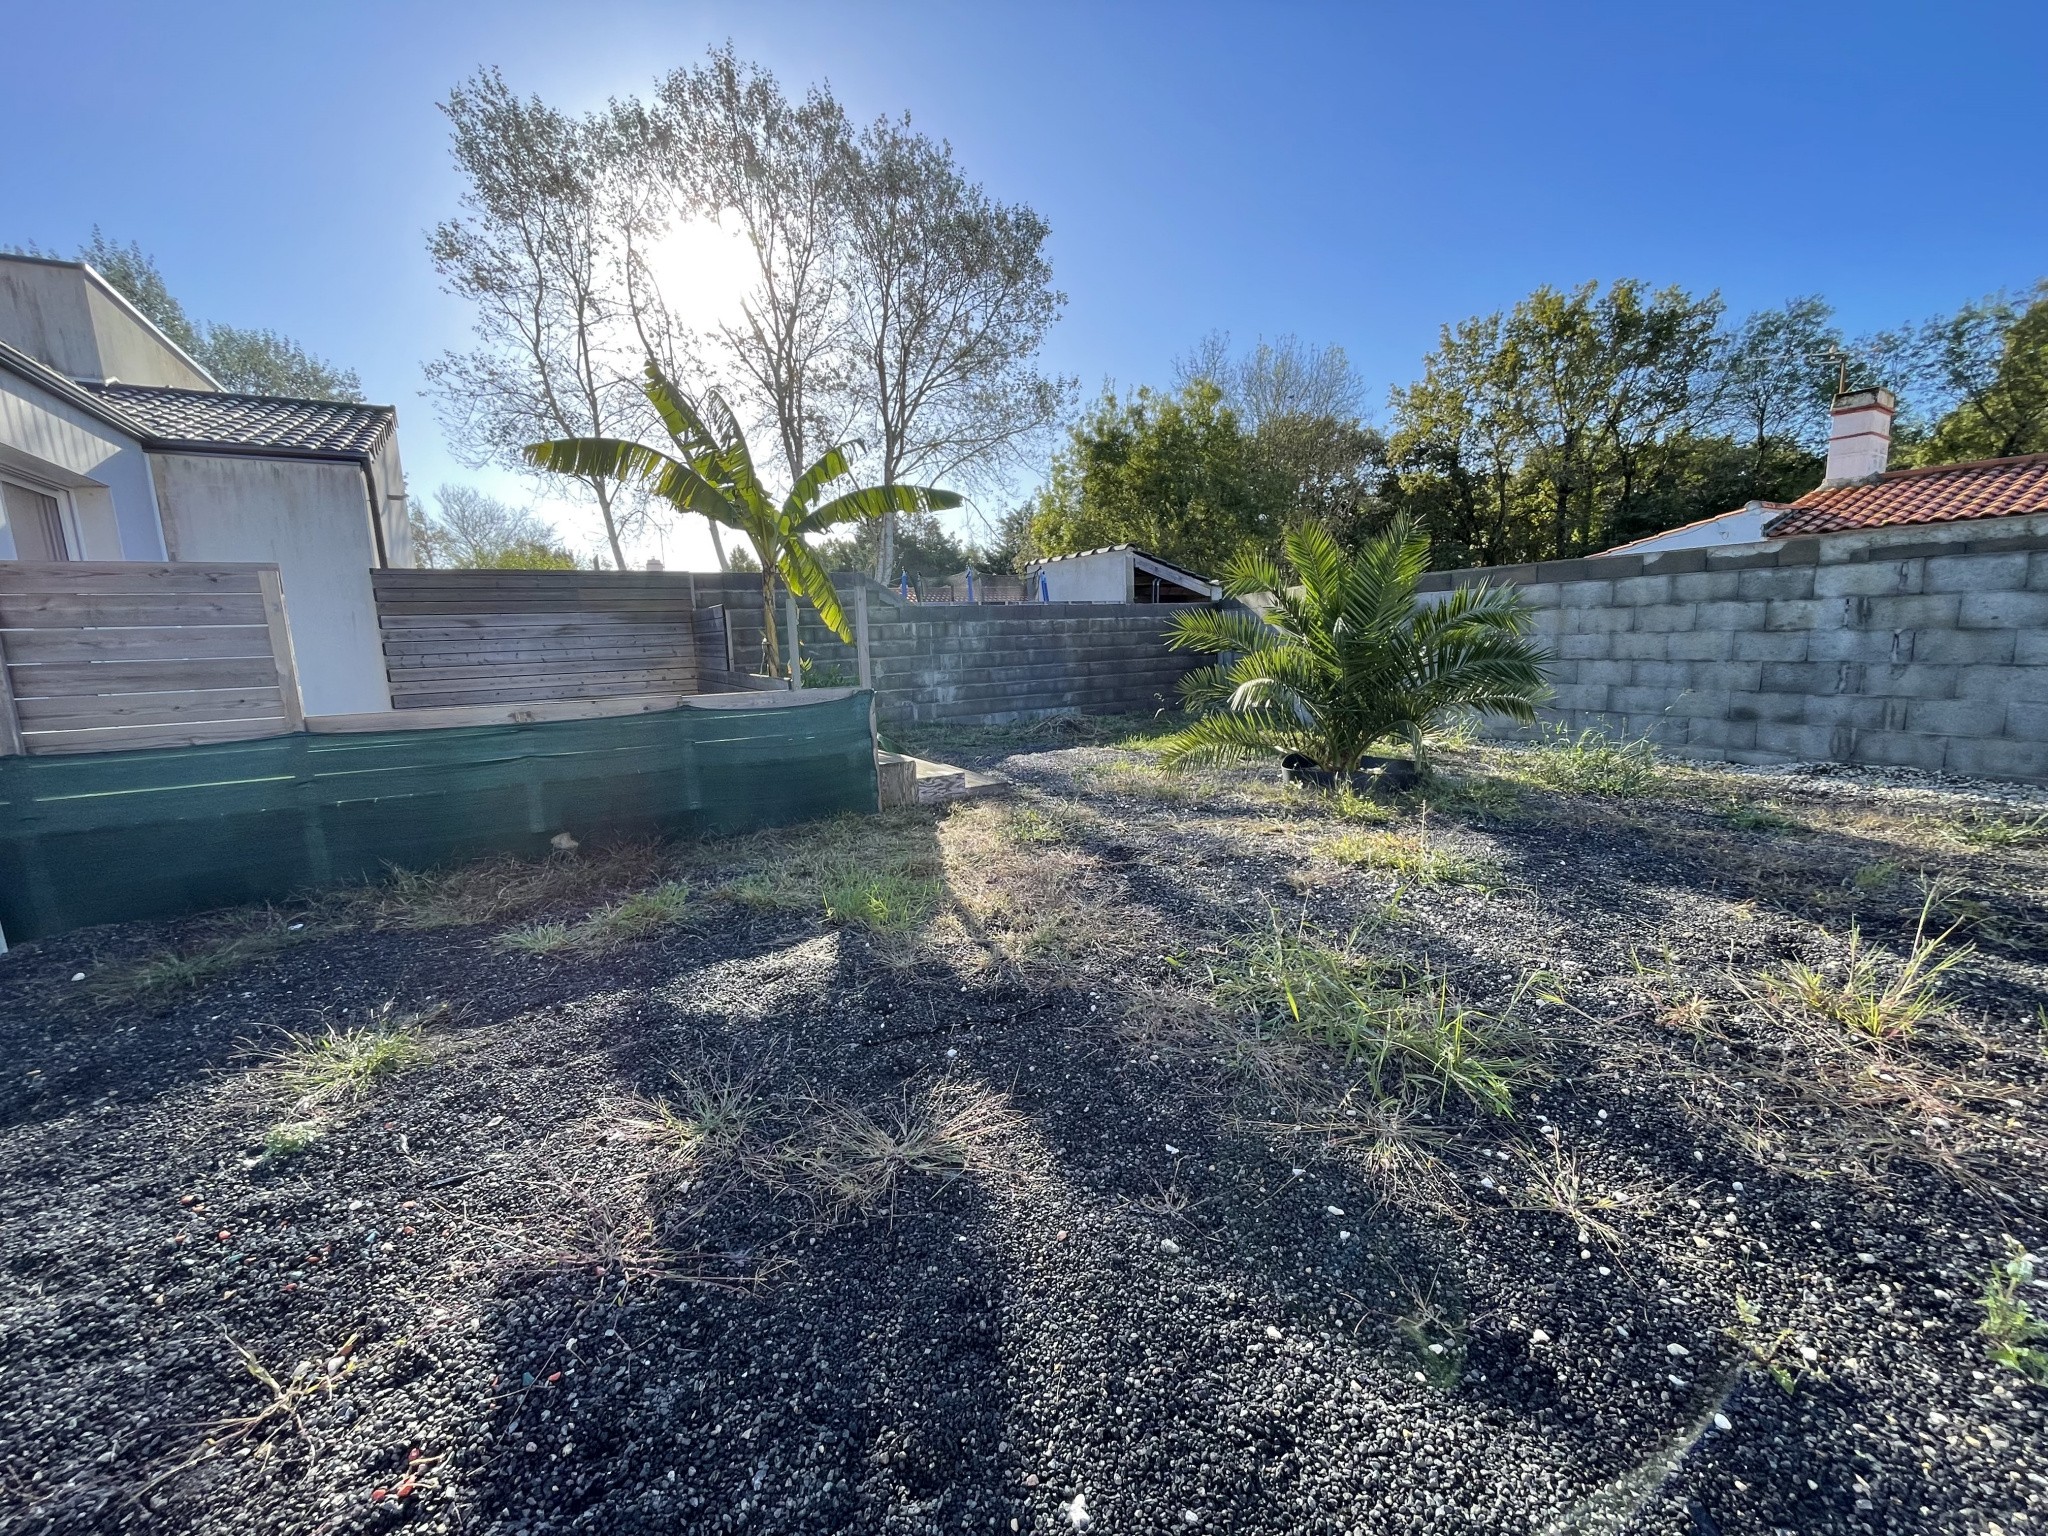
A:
(104, 656)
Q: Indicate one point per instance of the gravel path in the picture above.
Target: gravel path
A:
(1148, 1300)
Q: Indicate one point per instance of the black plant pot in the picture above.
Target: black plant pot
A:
(1388, 773)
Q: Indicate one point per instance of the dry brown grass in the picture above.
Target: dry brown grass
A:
(1045, 911)
(851, 1160)
(492, 890)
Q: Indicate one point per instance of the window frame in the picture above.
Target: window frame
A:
(67, 520)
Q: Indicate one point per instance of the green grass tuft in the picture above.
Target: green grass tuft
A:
(344, 1065)
(635, 917)
(1873, 995)
(882, 901)
(1401, 1027)
(1591, 763)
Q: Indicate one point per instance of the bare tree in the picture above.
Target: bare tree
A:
(540, 251)
(949, 296)
(732, 149)
(1276, 379)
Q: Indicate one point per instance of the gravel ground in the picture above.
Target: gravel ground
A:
(1173, 1282)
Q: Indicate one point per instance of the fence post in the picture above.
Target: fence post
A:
(860, 634)
(796, 661)
(11, 744)
(272, 587)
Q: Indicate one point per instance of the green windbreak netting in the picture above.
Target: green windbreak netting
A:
(109, 836)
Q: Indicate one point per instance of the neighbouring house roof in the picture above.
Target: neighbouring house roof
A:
(1677, 537)
(201, 420)
(1939, 493)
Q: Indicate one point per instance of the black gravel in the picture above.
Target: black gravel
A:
(1166, 1314)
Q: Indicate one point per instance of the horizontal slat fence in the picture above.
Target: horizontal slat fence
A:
(491, 637)
(104, 657)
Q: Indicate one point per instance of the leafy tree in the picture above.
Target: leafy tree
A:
(249, 361)
(1343, 656)
(1176, 474)
(470, 530)
(1301, 404)
(1975, 383)
(1778, 373)
(949, 296)
(924, 547)
(713, 474)
(541, 251)
(727, 146)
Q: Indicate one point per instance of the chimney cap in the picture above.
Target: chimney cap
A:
(1866, 399)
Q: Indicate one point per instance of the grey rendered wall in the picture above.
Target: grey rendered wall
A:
(1920, 647)
(311, 519)
(983, 664)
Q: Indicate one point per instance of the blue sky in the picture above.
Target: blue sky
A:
(1352, 173)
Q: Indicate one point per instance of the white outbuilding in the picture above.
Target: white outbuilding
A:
(1123, 573)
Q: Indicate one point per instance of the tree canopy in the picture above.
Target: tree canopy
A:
(249, 360)
(471, 530)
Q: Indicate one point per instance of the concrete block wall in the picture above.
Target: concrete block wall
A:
(1922, 647)
(975, 664)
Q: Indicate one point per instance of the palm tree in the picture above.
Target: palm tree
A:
(1346, 657)
(714, 474)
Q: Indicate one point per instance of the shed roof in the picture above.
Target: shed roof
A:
(1162, 567)
(1939, 493)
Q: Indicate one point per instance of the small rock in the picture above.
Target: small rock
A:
(1333, 1210)
(78, 976)
(1676, 1351)
(1538, 1336)
(1077, 1512)
(1722, 1423)
(1273, 1333)
(1168, 1245)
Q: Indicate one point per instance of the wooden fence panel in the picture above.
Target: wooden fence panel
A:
(456, 638)
(98, 657)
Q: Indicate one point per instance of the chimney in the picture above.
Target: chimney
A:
(1860, 436)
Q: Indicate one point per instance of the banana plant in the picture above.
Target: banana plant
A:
(712, 472)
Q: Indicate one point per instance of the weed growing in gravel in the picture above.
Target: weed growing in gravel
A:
(1873, 995)
(1553, 1182)
(1400, 1027)
(1412, 856)
(2003, 831)
(1768, 1352)
(2015, 1334)
(289, 1139)
(1479, 798)
(1874, 878)
(853, 1161)
(490, 890)
(1347, 804)
(1146, 780)
(258, 1432)
(882, 901)
(1591, 763)
(1756, 818)
(169, 972)
(345, 1064)
(703, 1126)
(635, 917)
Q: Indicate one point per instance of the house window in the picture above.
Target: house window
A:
(31, 524)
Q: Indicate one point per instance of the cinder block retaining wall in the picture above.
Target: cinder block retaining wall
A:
(1921, 647)
(982, 664)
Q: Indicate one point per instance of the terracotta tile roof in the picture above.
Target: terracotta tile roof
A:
(253, 423)
(1940, 493)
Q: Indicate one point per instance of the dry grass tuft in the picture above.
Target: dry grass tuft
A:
(852, 1161)
(491, 890)
(242, 941)
(1411, 855)
(881, 873)
(703, 1126)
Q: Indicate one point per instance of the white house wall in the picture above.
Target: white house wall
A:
(310, 518)
(391, 500)
(113, 498)
(131, 350)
